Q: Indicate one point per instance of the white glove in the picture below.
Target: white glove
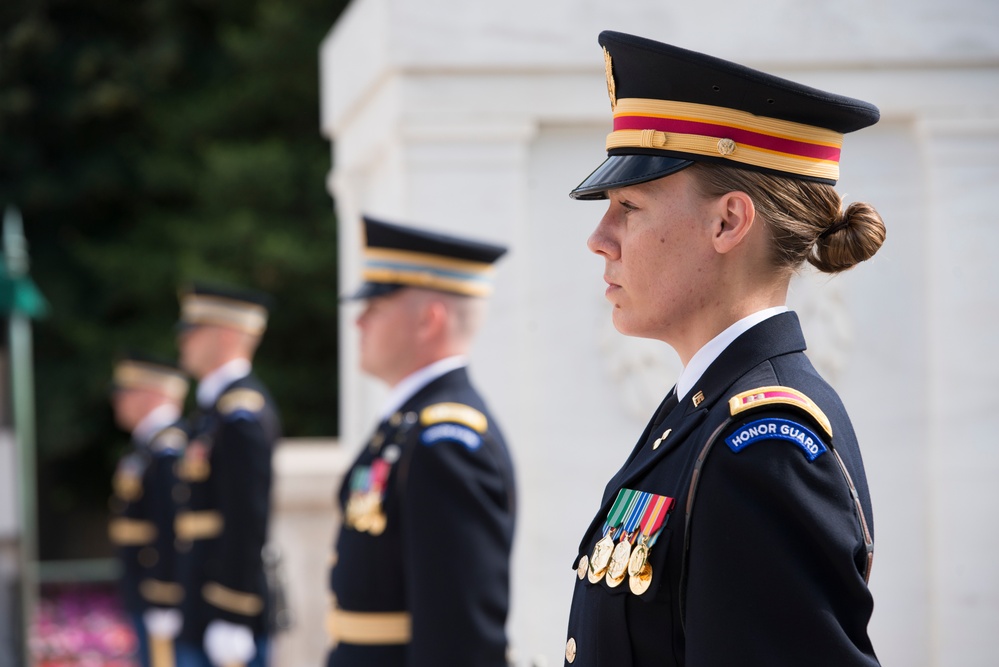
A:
(229, 644)
(162, 623)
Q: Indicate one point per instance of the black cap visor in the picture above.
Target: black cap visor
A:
(372, 290)
(619, 171)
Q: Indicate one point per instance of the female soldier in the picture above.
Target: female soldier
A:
(738, 532)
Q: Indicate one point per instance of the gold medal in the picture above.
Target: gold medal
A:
(376, 523)
(618, 567)
(363, 523)
(601, 557)
(584, 565)
(639, 583)
(638, 557)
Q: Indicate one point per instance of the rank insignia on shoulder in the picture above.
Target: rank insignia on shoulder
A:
(241, 400)
(455, 413)
(777, 429)
(451, 432)
(776, 395)
(170, 439)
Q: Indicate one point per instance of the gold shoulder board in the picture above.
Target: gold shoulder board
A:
(454, 413)
(241, 399)
(170, 438)
(756, 398)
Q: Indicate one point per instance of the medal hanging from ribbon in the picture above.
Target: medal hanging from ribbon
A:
(600, 558)
(364, 507)
(652, 523)
(633, 525)
(618, 567)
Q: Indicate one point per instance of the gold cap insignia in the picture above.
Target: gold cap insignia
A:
(609, 70)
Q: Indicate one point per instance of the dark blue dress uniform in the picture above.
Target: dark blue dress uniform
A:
(420, 574)
(421, 566)
(739, 531)
(767, 563)
(143, 517)
(222, 522)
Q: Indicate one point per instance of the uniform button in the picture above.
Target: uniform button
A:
(570, 649)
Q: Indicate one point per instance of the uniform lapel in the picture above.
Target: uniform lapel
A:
(773, 337)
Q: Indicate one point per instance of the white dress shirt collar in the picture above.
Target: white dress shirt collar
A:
(155, 421)
(215, 382)
(704, 357)
(414, 382)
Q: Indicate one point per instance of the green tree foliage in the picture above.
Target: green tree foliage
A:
(149, 143)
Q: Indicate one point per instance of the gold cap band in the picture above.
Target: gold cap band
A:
(222, 312)
(131, 374)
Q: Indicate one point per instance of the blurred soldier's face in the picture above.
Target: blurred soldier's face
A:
(131, 405)
(199, 350)
(388, 327)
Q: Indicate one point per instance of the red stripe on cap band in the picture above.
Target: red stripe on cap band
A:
(739, 135)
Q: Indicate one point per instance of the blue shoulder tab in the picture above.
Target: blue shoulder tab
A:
(452, 432)
(777, 429)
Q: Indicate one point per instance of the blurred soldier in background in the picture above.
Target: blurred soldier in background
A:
(420, 574)
(147, 398)
(225, 476)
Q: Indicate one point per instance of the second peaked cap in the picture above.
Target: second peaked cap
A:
(203, 304)
(397, 256)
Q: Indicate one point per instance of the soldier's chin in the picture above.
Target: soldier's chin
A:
(620, 320)
(628, 327)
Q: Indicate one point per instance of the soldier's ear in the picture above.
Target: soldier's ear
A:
(734, 214)
(436, 316)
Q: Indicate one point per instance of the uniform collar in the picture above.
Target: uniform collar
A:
(704, 357)
(212, 385)
(414, 382)
(155, 421)
(774, 336)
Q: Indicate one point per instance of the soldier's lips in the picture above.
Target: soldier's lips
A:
(611, 287)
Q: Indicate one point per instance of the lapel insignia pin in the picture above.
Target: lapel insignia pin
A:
(659, 440)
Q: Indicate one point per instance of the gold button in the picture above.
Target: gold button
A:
(584, 563)
(726, 146)
(570, 649)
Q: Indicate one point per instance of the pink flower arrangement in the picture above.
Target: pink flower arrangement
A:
(81, 625)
